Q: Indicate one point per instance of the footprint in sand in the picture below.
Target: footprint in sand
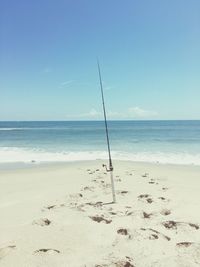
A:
(46, 250)
(6, 250)
(149, 200)
(127, 262)
(154, 234)
(74, 201)
(164, 199)
(174, 225)
(88, 188)
(42, 222)
(165, 188)
(184, 244)
(145, 197)
(165, 212)
(76, 206)
(76, 196)
(124, 232)
(90, 171)
(188, 248)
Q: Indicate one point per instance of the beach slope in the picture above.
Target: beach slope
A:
(61, 215)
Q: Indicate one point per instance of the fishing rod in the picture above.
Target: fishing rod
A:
(107, 136)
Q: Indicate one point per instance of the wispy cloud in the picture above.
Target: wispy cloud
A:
(130, 113)
(137, 112)
(66, 84)
(92, 114)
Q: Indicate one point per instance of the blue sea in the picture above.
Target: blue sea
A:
(148, 141)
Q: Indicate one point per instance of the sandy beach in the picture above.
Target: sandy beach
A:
(60, 215)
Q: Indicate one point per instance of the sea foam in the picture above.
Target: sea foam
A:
(33, 155)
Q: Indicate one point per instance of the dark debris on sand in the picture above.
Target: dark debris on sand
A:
(100, 219)
(162, 198)
(153, 236)
(46, 250)
(43, 222)
(50, 207)
(143, 196)
(123, 192)
(147, 215)
(194, 226)
(46, 221)
(95, 204)
(122, 231)
(149, 200)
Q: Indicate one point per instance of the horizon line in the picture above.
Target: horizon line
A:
(99, 120)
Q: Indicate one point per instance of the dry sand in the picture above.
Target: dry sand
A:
(59, 215)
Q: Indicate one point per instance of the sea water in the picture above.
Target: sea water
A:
(148, 141)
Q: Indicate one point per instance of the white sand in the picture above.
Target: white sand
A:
(123, 237)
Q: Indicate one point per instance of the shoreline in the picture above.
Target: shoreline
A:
(6, 166)
(55, 214)
(29, 155)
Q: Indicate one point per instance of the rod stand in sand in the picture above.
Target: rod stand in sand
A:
(107, 138)
(110, 170)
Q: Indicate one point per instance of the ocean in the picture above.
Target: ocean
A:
(176, 142)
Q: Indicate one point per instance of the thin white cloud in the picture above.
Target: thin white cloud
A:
(137, 112)
(66, 82)
(92, 114)
(130, 113)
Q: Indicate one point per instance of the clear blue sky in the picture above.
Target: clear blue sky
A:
(149, 53)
